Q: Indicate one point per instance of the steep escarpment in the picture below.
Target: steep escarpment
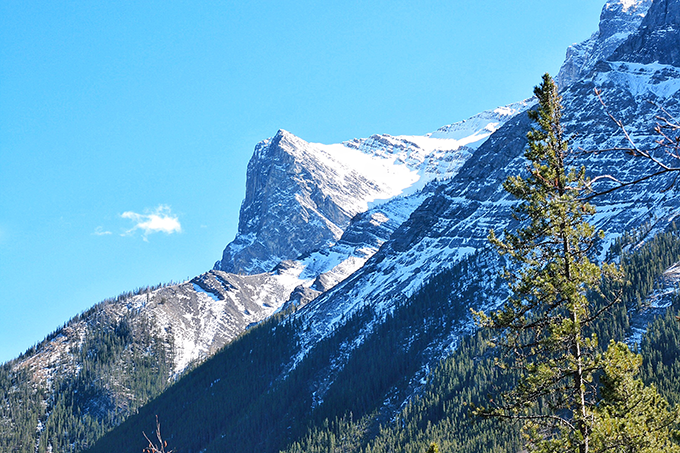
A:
(618, 21)
(657, 39)
(301, 196)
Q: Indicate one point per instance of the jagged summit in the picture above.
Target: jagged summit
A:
(301, 196)
(657, 39)
(618, 21)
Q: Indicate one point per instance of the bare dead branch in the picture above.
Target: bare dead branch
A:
(161, 446)
(553, 418)
(667, 142)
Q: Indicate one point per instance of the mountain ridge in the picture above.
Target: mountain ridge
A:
(355, 255)
(177, 326)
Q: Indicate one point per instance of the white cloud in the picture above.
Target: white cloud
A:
(99, 231)
(160, 220)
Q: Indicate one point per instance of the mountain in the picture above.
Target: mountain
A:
(337, 203)
(408, 302)
(617, 22)
(316, 190)
(351, 275)
(312, 215)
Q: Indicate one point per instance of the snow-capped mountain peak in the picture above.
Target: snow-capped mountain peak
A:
(618, 21)
(316, 189)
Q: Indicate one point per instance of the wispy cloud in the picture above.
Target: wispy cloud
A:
(99, 231)
(161, 220)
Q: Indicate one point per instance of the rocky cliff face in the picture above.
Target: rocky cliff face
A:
(301, 196)
(618, 21)
(657, 39)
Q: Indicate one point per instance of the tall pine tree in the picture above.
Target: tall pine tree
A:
(543, 324)
(570, 396)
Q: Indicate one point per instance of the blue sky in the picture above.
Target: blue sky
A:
(126, 127)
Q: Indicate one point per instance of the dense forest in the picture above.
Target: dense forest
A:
(116, 365)
(378, 399)
(408, 382)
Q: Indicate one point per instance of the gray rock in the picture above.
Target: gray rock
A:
(657, 39)
(618, 20)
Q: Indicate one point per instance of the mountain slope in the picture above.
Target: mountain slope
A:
(394, 392)
(336, 342)
(379, 232)
(154, 335)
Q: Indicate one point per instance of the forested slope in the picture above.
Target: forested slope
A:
(441, 413)
(407, 384)
(82, 380)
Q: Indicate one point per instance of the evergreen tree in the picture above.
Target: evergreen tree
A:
(543, 325)
(630, 416)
